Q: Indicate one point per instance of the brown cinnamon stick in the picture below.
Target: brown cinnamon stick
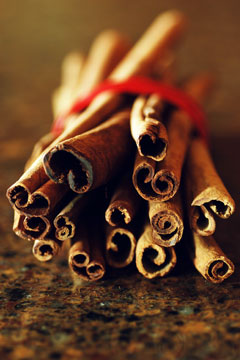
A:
(147, 129)
(31, 228)
(124, 203)
(120, 246)
(107, 50)
(166, 219)
(85, 255)
(46, 249)
(210, 260)
(162, 34)
(201, 220)
(72, 67)
(62, 98)
(152, 260)
(65, 222)
(40, 202)
(205, 190)
(89, 160)
(160, 181)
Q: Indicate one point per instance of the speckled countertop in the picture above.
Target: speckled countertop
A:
(44, 314)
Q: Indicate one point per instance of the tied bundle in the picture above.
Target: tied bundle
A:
(126, 165)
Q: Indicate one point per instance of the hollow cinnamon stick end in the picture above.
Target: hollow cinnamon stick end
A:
(117, 214)
(209, 259)
(17, 195)
(219, 270)
(152, 146)
(153, 260)
(95, 270)
(120, 247)
(201, 221)
(45, 250)
(65, 165)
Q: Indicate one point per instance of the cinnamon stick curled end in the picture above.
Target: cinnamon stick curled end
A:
(21, 199)
(117, 214)
(77, 170)
(216, 200)
(120, 247)
(45, 250)
(201, 220)
(81, 264)
(152, 260)
(151, 183)
(210, 260)
(151, 145)
(167, 228)
(65, 229)
(40, 202)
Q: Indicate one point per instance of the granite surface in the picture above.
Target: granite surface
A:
(44, 314)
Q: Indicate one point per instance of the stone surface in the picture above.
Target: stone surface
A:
(44, 314)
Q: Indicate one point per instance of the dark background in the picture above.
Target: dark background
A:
(43, 313)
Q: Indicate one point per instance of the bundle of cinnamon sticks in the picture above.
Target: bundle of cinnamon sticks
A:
(117, 180)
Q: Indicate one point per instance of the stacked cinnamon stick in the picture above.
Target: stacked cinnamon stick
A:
(110, 181)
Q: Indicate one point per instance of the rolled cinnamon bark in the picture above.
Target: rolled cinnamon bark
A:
(201, 220)
(205, 190)
(210, 260)
(41, 202)
(124, 203)
(62, 98)
(89, 160)
(120, 246)
(66, 221)
(147, 129)
(152, 260)
(107, 50)
(46, 249)
(160, 181)
(72, 68)
(166, 219)
(31, 228)
(161, 35)
(85, 255)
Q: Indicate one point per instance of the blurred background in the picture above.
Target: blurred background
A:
(36, 34)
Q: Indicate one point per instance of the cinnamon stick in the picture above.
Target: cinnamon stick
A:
(147, 129)
(120, 246)
(162, 34)
(85, 255)
(160, 181)
(62, 98)
(205, 190)
(210, 260)
(107, 50)
(153, 260)
(40, 202)
(31, 228)
(166, 219)
(201, 220)
(65, 222)
(72, 67)
(46, 249)
(89, 160)
(124, 203)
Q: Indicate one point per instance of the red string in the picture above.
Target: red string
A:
(136, 86)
